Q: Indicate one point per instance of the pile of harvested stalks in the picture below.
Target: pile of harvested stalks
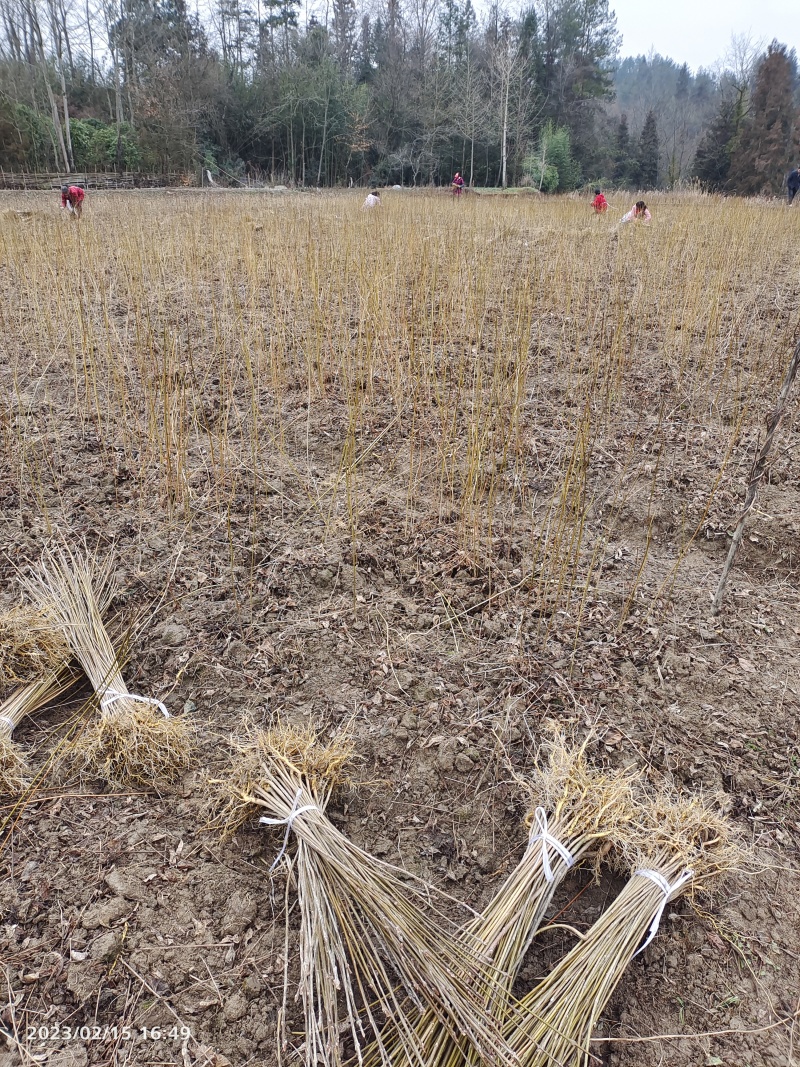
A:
(31, 646)
(575, 810)
(369, 938)
(25, 700)
(680, 845)
(134, 740)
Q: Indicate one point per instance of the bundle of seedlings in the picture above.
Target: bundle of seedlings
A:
(31, 646)
(25, 700)
(371, 939)
(134, 740)
(35, 653)
(575, 811)
(678, 847)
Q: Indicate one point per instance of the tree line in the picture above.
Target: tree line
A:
(397, 91)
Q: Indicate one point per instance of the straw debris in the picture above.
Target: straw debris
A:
(14, 771)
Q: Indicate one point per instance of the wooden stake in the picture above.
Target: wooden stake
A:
(756, 474)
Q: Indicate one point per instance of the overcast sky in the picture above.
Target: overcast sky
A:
(698, 32)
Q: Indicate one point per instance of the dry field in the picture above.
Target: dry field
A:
(443, 472)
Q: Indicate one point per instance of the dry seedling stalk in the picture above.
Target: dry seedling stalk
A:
(25, 700)
(30, 646)
(134, 740)
(574, 809)
(679, 846)
(369, 938)
(471, 408)
(756, 474)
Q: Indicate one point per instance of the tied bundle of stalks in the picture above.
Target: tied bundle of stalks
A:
(369, 938)
(31, 646)
(25, 700)
(679, 846)
(134, 741)
(575, 809)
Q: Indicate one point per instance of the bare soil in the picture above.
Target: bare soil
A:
(123, 910)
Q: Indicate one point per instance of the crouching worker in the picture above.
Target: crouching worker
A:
(600, 204)
(72, 199)
(638, 213)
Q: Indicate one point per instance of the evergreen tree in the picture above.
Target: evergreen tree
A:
(577, 48)
(712, 162)
(765, 149)
(683, 83)
(343, 31)
(626, 171)
(648, 153)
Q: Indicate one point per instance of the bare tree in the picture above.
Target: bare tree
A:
(32, 19)
(59, 37)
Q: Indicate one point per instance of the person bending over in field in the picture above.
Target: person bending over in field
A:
(72, 199)
(638, 213)
(793, 184)
(600, 204)
(373, 199)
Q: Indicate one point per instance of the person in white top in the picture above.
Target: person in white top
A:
(373, 200)
(638, 213)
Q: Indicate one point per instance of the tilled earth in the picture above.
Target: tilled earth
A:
(127, 921)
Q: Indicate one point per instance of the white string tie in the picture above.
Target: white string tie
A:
(668, 891)
(287, 822)
(112, 695)
(11, 724)
(544, 835)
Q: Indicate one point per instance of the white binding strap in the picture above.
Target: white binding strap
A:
(111, 695)
(11, 724)
(668, 891)
(544, 835)
(287, 822)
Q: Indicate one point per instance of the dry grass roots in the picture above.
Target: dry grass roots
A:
(25, 700)
(30, 646)
(14, 771)
(134, 747)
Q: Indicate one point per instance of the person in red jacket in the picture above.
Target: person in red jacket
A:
(72, 199)
(457, 184)
(600, 204)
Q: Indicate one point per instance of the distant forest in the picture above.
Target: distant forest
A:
(400, 91)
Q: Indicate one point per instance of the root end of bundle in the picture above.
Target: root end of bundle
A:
(693, 828)
(30, 646)
(136, 746)
(324, 765)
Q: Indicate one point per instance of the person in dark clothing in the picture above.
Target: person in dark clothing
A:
(793, 184)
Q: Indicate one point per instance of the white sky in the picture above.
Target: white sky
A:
(698, 32)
